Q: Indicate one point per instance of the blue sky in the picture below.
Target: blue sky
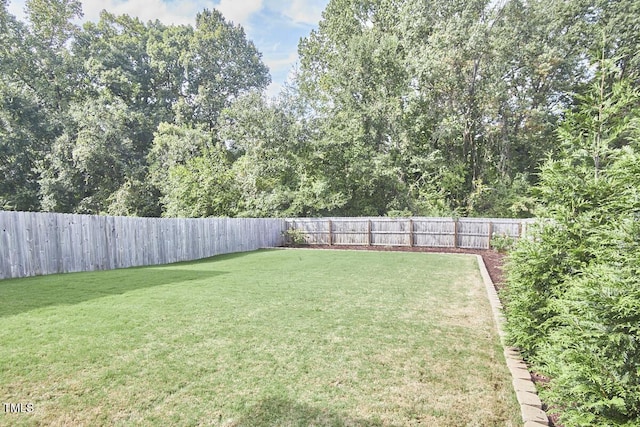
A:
(275, 26)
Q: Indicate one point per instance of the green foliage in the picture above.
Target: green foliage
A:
(134, 198)
(573, 300)
(399, 213)
(219, 75)
(278, 170)
(421, 106)
(204, 186)
(507, 197)
(502, 242)
(174, 145)
(294, 236)
(439, 106)
(79, 106)
(93, 158)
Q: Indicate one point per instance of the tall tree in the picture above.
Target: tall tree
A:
(440, 98)
(222, 64)
(116, 66)
(169, 56)
(277, 171)
(354, 67)
(134, 78)
(93, 157)
(36, 82)
(617, 32)
(50, 66)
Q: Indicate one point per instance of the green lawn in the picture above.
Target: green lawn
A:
(273, 337)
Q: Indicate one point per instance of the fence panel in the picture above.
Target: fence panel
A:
(473, 235)
(466, 233)
(348, 232)
(46, 243)
(394, 232)
(314, 230)
(434, 232)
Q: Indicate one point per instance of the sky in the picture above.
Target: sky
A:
(275, 26)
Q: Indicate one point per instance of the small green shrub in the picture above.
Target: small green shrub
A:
(502, 242)
(294, 236)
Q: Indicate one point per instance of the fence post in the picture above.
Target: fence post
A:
(330, 236)
(455, 233)
(410, 232)
(490, 233)
(369, 232)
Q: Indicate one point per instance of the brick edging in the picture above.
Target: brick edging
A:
(530, 404)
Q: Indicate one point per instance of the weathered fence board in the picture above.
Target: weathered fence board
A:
(467, 233)
(46, 243)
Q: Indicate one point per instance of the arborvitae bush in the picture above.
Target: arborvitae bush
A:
(593, 355)
(573, 300)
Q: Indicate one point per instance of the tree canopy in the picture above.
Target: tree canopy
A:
(81, 107)
(416, 107)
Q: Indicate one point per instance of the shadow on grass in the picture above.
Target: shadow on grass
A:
(22, 295)
(277, 411)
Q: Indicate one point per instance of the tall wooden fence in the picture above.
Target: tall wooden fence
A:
(46, 243)
(467, 233)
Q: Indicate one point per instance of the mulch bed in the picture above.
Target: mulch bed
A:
(492, 259)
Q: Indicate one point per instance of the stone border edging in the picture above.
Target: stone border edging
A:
(530, 404)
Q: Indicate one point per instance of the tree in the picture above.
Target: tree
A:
(173, 146)
(222, 64)
(133, 78)
(116, 66)
(169, 53)
(35, 89)
(276, 169)
(204, 186)
(50, 70)
(93, 157)
(193, 174)
(420, 106)
(24, 132)
(355, 68)
(616, 31)
(439, 106)
(572, 299)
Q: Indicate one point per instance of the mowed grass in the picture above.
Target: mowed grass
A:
(267, 338)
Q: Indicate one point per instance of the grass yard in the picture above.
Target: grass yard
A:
(273, 337)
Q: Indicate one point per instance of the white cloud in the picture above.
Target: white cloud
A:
(281, 69)
(279, 64)
(16, 8)
(305, 11)
(239, 11)
(182, 12)
(178, 12)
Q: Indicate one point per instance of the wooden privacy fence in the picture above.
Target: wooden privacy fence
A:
(46, 243)
(467, 233)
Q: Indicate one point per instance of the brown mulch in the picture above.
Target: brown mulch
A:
(494, 262)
